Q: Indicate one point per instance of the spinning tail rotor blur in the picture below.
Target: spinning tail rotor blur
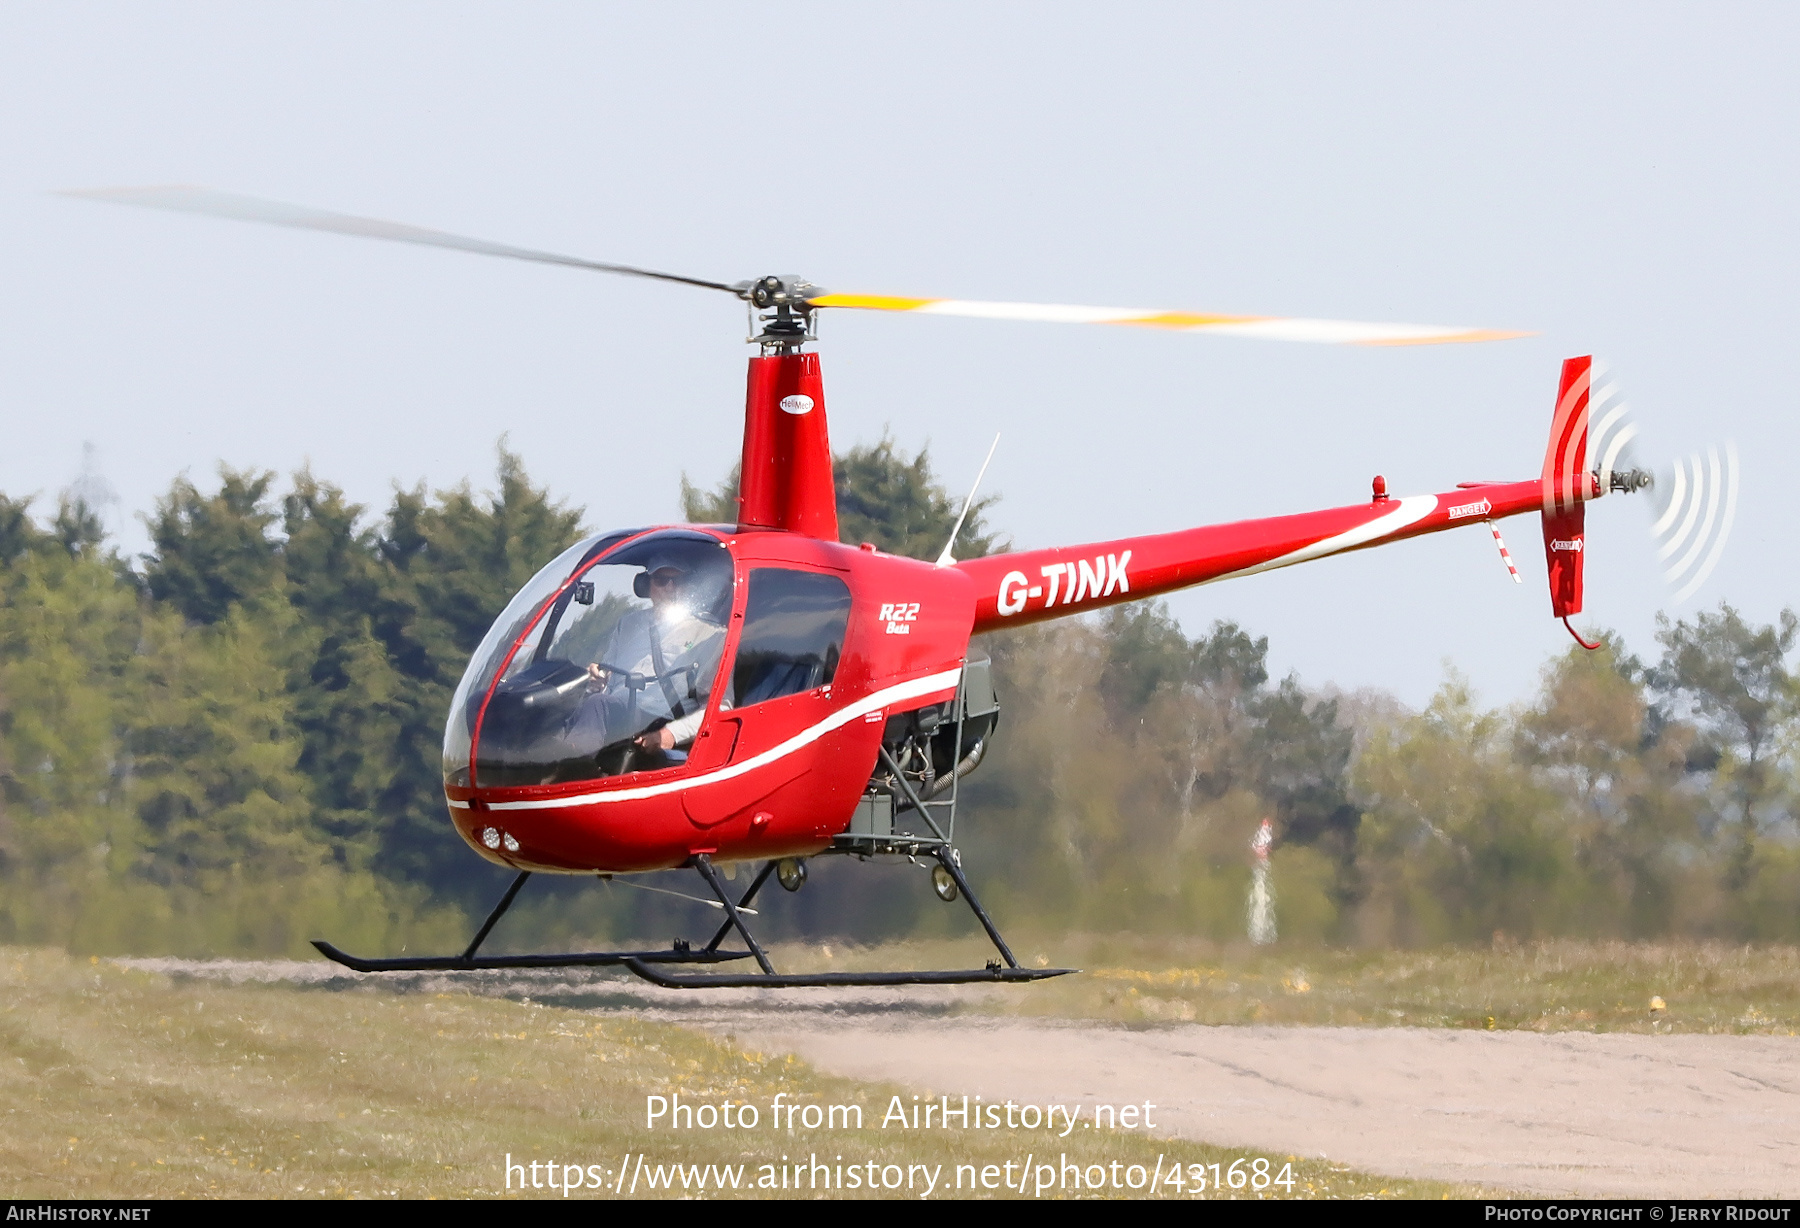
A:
(1694, 497)
(1698, 502)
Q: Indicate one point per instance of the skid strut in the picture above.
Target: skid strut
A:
(646, 963)
(770, 979)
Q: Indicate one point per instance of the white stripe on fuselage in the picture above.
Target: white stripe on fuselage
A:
(1411, 510)
(880, 699)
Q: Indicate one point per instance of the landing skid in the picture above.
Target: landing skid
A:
(587, 959)
(645, 963)
(993, 974)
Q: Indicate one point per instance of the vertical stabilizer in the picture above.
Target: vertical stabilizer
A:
(1568, 485)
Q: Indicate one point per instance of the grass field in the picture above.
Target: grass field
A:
(126, 1083)
(120, 1083)
(1561, 985)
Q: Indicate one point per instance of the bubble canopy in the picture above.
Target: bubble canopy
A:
(603, 664)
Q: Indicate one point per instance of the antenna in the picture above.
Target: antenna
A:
(946, 559)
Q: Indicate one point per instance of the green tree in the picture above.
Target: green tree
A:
(216, 755)
(69, 629)
(1136, 763)
(452, 563)
(77, 527)
(1588, 726)
(1732, 681)
(19, 535)
(346, 691)
(231, 854)
(715, 506)
(213, 551)
(381, 620)
(1629, 820)
(1302, 762)
(1146, 652)
(902, 507)
(1458, 840)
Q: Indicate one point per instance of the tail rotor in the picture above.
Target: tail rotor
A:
(1594, 452)
(1698, 502)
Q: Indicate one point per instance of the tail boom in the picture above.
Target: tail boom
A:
(1034, 585)
(1013, 589)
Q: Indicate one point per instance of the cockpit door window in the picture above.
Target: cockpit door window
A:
(793, 636)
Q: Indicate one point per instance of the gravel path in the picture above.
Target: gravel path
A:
(1613, 1115)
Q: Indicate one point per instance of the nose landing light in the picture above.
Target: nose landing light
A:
(493, 838)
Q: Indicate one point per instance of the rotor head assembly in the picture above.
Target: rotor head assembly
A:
(782, 307)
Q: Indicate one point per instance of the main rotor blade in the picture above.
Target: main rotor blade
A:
(1272, 328)
(186, 199)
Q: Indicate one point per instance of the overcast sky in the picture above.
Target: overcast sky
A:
(1620, 179)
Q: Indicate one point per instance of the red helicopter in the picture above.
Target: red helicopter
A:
(691, 695)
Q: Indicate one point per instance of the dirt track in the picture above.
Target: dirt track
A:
(1609, 1115)
(1612, 1114)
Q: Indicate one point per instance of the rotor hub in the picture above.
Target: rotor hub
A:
(781, 315)
(776, 291)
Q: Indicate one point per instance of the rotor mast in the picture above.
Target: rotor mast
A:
(785, 481)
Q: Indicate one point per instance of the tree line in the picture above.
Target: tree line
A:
(1626, 799)
(231, 745)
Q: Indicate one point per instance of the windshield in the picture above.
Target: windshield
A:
(492, 651)
(615, 674)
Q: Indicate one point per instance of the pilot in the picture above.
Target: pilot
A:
(670, 652)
